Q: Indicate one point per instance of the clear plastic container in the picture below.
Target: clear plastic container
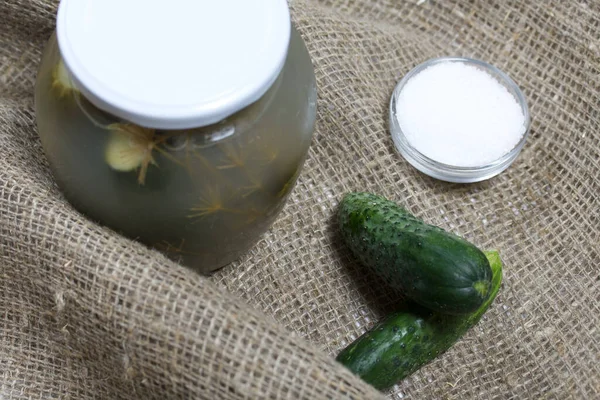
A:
(203, 195)
(452, 173)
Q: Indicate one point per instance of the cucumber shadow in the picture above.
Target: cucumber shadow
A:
(373, 291)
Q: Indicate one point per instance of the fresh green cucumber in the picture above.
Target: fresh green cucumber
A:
(401, 344)
(430, 266)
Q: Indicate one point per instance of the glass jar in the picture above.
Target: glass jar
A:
(200, 184)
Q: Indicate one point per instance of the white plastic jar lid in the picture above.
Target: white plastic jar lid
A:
(173, 64)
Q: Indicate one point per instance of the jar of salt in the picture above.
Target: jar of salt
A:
(458, 119)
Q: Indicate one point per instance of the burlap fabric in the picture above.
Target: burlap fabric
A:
(85, 313)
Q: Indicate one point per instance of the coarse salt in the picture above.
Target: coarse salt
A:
(459, 115)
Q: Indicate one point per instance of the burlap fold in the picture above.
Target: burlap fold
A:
(86, 313)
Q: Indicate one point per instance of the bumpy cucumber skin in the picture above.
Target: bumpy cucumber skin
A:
(432, 267)
(406, 340)
(393, 350)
